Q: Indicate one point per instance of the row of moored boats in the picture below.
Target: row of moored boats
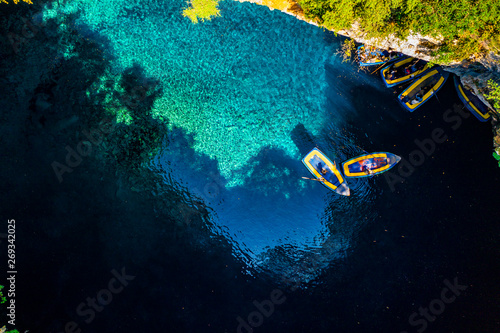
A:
(425, 80)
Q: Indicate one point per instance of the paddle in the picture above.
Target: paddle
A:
(435, 94)
(379, 67)
(318, 180)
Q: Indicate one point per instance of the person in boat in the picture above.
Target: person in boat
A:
(382, 162)
(367, 166)
(366, 170)
(413, 67)
(394, 54)
(324, 170)
(407, 70)
(392, 75)
(418, 97)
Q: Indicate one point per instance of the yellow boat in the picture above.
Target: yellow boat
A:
(326, 172)
(368, 165)
(397, 73)
(472, 102)
(423, 88)
(369, 55)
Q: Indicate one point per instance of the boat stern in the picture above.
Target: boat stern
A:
(394, 159)
(343, 189)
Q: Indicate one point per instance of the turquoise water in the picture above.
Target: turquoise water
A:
(237, 83)
(238, 86)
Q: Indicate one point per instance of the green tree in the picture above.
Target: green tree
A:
(494, 94)
(201, 9)
(464, 26)
(2, 297)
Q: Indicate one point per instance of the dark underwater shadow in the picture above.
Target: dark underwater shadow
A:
(109, 211)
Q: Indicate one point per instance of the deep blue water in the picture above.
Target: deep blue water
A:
(236, 221)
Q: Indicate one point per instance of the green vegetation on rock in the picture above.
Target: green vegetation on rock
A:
(463, 25)
(494, 94)
(348, 50)
(2, 297)
(497, 157)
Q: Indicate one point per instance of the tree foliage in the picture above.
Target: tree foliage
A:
(494, 94)
(201, 9)
(348, 49)
(464, 25)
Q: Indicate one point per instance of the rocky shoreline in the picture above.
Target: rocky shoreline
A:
(472, 72)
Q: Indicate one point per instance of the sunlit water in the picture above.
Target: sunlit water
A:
(246, 96)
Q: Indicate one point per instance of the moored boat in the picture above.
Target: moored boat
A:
(423, 88)
(326, 171)
(403, 70)
(368, 165)
(371, 56)
(471, 101)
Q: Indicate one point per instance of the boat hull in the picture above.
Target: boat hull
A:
(375, 55)
(399, 66)
(353, 168)
(431, 81)
(315, 160)
(472, 102)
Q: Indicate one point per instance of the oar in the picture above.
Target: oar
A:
(436, 96)
(312, 179)
(379, 67)
(416, 62)
(435, 93)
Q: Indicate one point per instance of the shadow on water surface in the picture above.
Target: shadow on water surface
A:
(277, 222)
(102, 214)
